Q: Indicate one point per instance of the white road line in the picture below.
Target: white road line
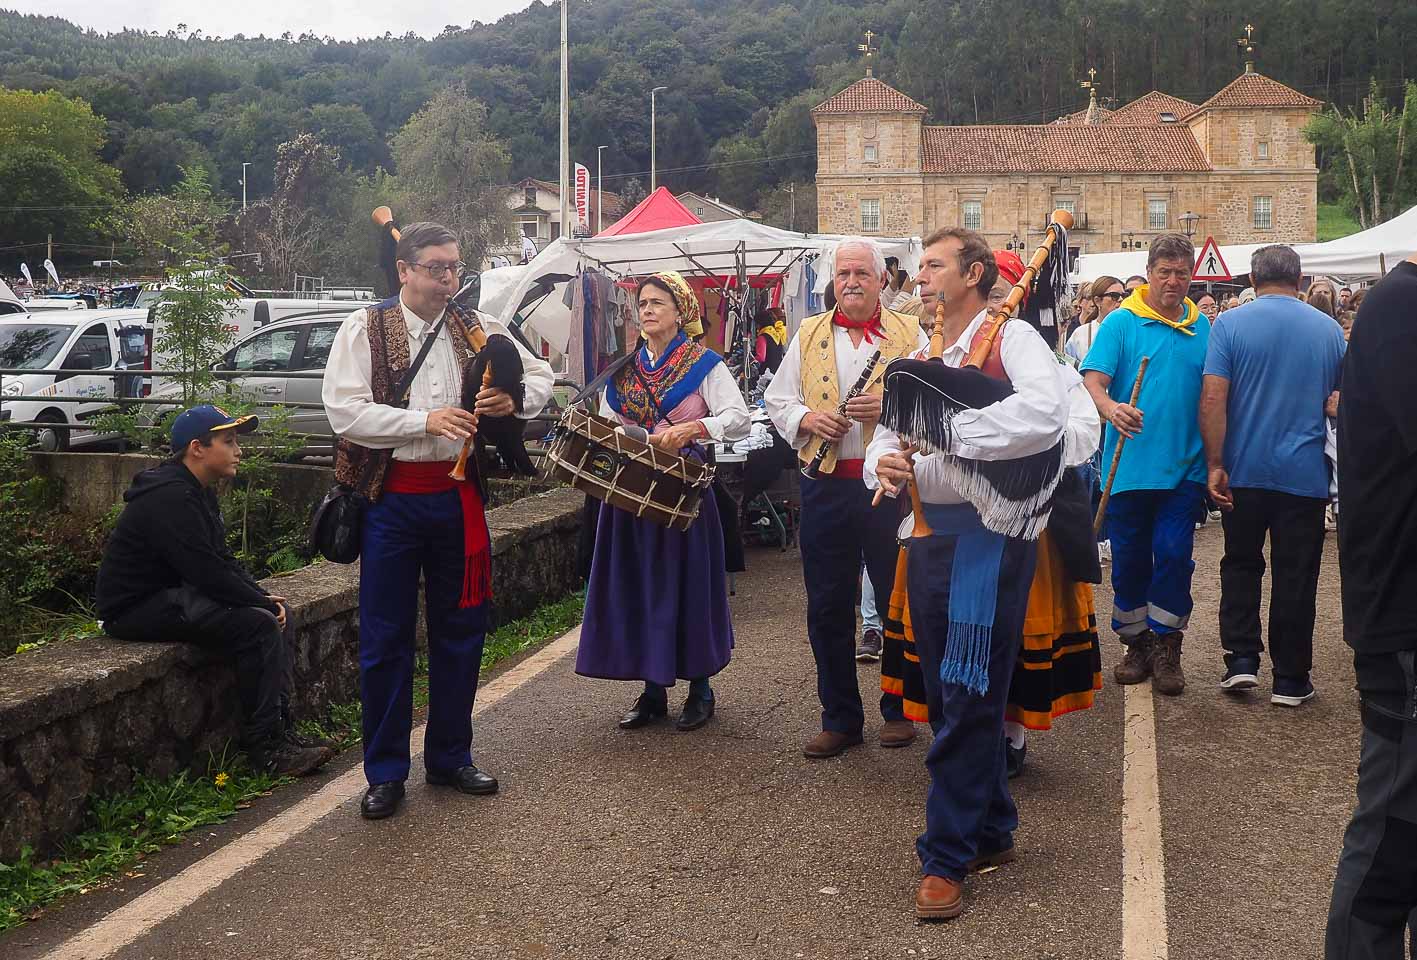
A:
(1143, 867)
(131, 921)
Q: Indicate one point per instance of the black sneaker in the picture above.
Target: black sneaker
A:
(869, 650)
(1290, 692)
(284, 758)
(1241, 674)
(1014, 758)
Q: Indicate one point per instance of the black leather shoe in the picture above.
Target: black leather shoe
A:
(696, 713)
(643, 713)
(468, 779)
(381, 800)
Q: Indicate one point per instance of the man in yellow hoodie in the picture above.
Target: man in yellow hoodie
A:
(1161, 477)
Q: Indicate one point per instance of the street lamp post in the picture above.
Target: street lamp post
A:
(1189, 221)
(652, 145)
(244, 165)
(599, 190)
(565, 164)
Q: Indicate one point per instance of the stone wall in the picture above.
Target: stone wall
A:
(82, 717)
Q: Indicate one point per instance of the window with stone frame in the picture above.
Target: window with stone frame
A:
(1069, 204)
(870, 216)
(1262, 150)
(972, 214)
(869, 153)
(1264, 213)
(1156, 214)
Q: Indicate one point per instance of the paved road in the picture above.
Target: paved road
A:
(727, 843)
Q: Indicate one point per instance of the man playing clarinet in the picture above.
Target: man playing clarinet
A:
(967, 585)
(839, 529)
(420, 520)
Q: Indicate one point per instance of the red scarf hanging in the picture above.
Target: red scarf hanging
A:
(432, 477)
(871, 327)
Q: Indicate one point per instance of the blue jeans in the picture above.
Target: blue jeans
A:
(870, 616)
(1152, 533)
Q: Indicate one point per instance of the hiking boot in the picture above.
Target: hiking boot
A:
(869, 650)
(284, 758)
(1166, 675)
(1136, 664)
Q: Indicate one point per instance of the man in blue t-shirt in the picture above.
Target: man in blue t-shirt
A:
(1271, 366)
(1160, 478)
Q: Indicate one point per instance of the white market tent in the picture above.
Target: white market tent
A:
(741, 249)
(1363, 256)
(7, 295)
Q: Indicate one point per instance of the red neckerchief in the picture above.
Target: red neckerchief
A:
(869, 327)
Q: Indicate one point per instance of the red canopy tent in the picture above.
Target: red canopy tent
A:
(657, 211)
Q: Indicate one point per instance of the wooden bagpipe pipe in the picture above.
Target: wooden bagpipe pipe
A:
(922, 398)
(495, 363)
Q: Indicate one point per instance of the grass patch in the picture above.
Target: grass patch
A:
(121, 830)
(1335, 221)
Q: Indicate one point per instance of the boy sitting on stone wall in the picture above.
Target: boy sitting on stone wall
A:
(167, 575)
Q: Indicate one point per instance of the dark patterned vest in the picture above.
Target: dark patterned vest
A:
(389, 360)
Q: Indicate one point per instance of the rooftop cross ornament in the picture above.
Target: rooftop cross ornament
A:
(868, 50)
(1247, 44)
(1090, 85)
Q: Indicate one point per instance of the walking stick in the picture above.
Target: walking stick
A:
(1117, 454)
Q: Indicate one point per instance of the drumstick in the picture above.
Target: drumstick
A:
(1117, 454)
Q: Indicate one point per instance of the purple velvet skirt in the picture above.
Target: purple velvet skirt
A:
(657, 603)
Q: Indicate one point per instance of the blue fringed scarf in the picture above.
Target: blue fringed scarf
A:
(974, 593)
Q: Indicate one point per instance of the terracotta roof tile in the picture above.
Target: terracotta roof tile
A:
(869, 95)
(1148, 109)
(1062, 148)
(1257, 90)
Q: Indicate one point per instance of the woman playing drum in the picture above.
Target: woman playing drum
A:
(657, 603)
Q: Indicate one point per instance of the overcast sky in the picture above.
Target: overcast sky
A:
(347, 20)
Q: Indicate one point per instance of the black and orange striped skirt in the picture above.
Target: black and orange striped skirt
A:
(1059, 669)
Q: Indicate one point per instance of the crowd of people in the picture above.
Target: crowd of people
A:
(988, 628)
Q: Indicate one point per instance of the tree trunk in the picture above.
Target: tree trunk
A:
(1357, 191)
(1401, 147)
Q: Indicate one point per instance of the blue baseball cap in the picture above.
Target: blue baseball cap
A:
(191, 424)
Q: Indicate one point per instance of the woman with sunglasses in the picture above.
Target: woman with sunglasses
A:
(1106, 296)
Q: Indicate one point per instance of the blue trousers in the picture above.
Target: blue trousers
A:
(1153, 532)
(968, 809)
(405, 535)
(839, 531)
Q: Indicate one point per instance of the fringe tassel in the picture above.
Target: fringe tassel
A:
(476, 580)
(1013, 497)
(966, 659)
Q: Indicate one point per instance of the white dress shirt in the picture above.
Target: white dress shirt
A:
(1029, 421)
(1084, 431)
(783, 397)
(728, 414)
(348, 391)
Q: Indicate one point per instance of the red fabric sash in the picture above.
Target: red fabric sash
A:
(871, 326)
(849, 470)
(432, 477)
(994, 363)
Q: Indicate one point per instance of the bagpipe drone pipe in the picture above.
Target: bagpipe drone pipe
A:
(496, 363)
(923, 398)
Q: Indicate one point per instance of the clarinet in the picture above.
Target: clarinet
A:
(811, 470)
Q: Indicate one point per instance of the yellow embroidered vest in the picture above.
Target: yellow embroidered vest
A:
(820, 391)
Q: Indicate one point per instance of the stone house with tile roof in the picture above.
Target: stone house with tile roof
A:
(1238, 161)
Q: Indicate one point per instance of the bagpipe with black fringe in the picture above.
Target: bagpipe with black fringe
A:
(495, 363)
(923, 398)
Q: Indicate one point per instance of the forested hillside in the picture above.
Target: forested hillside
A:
(741, 77)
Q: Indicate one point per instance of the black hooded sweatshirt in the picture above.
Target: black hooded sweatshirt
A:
(171, 534)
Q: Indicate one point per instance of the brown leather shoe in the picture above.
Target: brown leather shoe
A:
(897, 733)
(938, 898)
(829, 743)
(1166, 675)
(1136, 664)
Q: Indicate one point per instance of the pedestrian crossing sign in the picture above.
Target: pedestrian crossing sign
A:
(1210, 265)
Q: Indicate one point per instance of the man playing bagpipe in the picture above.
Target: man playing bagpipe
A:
(983, 495)
(397, 448)
(839, 529)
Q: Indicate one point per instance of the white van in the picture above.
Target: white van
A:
(73, 342)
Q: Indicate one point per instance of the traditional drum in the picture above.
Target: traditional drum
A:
(590, 454)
